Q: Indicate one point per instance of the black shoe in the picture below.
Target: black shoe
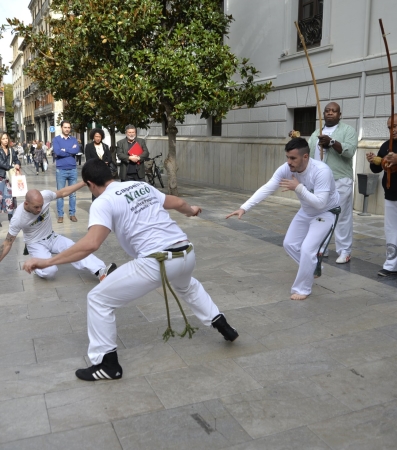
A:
(386, 273)
(220, 323)
(25, 251)
(103, 273)
(109, 369)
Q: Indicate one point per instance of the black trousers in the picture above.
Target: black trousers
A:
(133, 177)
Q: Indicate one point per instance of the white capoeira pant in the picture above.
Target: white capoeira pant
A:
(302, 241)
(130, 282)
(54, 244)
(344, 228)
(391, 235)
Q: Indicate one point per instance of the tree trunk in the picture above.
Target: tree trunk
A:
(112, 133)
(170, 162)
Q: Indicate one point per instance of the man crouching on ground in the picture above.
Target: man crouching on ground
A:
(136, 213)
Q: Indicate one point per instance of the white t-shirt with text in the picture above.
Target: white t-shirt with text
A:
(34, 226)
(134, 212)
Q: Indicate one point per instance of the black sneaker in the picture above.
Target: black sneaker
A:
(220, 323)
(109, 369)
(103, 273)
(386, 273)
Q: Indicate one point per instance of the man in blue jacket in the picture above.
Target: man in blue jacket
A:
(65, 148)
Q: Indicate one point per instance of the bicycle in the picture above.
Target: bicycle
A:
(152, 171)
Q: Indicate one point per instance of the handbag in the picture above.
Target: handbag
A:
(45, 165)
(113, 168)
(19, 186)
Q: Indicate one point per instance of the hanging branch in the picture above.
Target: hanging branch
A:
(385, 165)
(314, 83)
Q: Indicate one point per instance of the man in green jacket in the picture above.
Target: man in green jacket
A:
(339, 142)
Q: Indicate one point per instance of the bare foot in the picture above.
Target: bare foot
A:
(298, 297)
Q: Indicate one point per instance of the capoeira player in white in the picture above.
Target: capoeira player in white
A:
(314, 185)
(34, 219)
(136, 213)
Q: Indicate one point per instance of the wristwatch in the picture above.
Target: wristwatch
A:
(331, 142)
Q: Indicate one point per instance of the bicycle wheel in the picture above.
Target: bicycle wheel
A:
(158, 174)
(150, 178)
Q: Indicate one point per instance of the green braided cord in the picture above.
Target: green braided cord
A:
(317, 270)
(169, 331)
(161, 257)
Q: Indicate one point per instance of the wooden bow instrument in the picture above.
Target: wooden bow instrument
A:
(385, 164)
(314, 83)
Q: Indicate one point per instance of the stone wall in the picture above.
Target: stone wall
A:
(246, 164)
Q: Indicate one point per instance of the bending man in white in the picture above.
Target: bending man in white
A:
(34, 219)
(314, 185)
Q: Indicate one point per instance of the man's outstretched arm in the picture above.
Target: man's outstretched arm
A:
(5, 247)
(180, 205)
(66, 191)
(80, 250)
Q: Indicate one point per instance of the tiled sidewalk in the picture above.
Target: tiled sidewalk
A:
(317, 374)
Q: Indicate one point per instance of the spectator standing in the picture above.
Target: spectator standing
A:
(8, 160)
(97, 149)
(132, 152)
(339, 142)
(65, 148)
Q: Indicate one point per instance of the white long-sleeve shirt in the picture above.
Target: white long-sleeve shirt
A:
(316, 191)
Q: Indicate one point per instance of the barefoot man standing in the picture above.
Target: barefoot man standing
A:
(313, 224)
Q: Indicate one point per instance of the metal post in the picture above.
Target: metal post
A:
(365, 207)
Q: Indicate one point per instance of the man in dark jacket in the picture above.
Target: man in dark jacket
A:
(390, 265)
(132, 152)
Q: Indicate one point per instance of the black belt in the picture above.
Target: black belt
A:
(317, 270)
(177, 249)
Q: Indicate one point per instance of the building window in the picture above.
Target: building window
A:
(216, 127)
(310, 22)
(305, 120)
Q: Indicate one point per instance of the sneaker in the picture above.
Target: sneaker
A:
(229, 333)
(386, 273)
(103, 273)
(109, 369)
(343, 259)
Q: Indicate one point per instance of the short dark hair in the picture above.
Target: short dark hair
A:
(96, 171)
(130, 127)
(66, 121)
(94, 131)
(298, 144)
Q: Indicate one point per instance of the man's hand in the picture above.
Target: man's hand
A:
(35, 263)
(134, 158)
(370, 157)
(289, 185)
(324, 140)
(196, 211)
(238, 213)
(391, 159)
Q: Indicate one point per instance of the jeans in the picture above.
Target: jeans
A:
(69, 175)
(38, 165)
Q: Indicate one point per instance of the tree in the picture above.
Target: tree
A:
(3, 67)
(132, 61)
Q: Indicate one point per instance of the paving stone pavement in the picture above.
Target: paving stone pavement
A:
(318, 374)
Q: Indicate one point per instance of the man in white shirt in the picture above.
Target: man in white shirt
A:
(313, 224)
(136, 213)
(33, 218)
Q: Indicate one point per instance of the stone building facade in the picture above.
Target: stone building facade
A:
(348, 57)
